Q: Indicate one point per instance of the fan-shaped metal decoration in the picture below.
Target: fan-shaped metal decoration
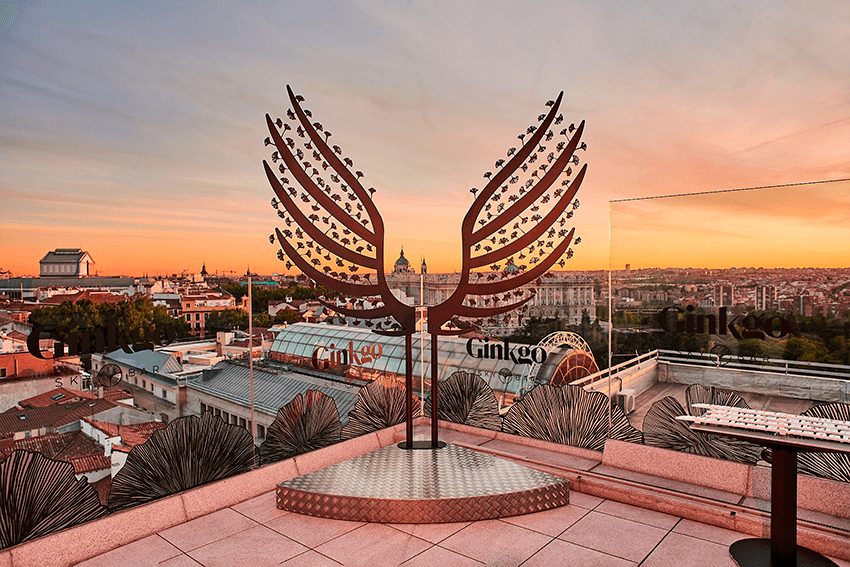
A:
(306, 423)
(662, 429)
(466, 398)
(568, 415)
(699, 394)
(379, 405)
(827, 465)
(190, 452)
(39, 496)
(515, 228)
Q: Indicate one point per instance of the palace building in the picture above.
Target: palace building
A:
(562, 295)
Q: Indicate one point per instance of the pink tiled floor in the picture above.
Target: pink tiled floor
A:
(589, 532)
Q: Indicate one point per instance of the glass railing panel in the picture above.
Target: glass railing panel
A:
(737, 297)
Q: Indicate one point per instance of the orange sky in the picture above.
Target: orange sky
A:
(136, 133)
(782, 227)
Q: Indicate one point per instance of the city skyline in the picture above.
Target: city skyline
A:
(136, 132)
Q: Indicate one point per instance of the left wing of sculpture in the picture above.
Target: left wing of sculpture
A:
(333, 232)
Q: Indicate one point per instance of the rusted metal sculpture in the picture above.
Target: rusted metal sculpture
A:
(515, 228)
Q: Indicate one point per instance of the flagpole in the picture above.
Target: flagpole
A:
(251, 354)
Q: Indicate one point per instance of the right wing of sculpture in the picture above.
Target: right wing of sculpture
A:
(333, 232)
(516, 228)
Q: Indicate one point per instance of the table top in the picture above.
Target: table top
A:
(798, 432)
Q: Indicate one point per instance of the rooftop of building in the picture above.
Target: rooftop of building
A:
(487, 360)
(274, 386)
(34, 282)
(148, 360)
(93, 296)
(626, 509)
(60, 446)
(131, 434)
(57, 415)
(630, 504)
(56, 396)
(65, 255)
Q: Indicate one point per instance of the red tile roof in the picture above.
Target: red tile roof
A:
(17, 335)
(116, 395)
(56, 415)
(48, 445)
(138, 433)
(131, 435)
(81, 445)
(93, 296)
(60, 446)
(55, 396)
(110, 429)
(102, 487)
(90, 463)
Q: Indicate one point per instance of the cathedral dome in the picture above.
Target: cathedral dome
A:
(402, 265)
(510, 267)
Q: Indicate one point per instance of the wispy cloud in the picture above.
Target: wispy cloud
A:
(146, 121)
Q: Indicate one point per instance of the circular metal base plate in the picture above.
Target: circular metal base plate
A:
(756, 553)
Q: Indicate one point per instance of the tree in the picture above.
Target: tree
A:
(227, 320)
(286, 316)
(136, 321)
(262, 319)
(750, 347)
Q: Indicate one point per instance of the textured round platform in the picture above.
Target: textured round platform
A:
(393, 485)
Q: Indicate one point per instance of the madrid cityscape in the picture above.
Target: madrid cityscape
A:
(369, 283)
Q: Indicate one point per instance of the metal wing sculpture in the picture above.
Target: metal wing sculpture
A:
(515, 228)
(333, 229)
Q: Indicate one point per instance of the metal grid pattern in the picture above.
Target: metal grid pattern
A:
(426, 486)
(773, 428)
(774, 422)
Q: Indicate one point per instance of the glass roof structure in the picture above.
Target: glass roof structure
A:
(303, 339)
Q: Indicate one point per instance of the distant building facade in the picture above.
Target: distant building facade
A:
(766, 298)
(70, 262)
(563, 295)
(196, 307)
(724, 294)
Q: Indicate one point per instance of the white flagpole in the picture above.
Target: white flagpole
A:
(251, 354)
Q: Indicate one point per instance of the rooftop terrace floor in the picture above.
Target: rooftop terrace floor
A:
(589, 531)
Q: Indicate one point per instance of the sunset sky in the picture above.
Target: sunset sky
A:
(135, 130)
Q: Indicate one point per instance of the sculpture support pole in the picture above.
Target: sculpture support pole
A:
(408, 386)
(783, 507)
(434, 387)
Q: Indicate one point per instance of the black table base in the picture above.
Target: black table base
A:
(422, 445)
(756, 553)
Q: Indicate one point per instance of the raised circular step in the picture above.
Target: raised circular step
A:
(394, 485)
